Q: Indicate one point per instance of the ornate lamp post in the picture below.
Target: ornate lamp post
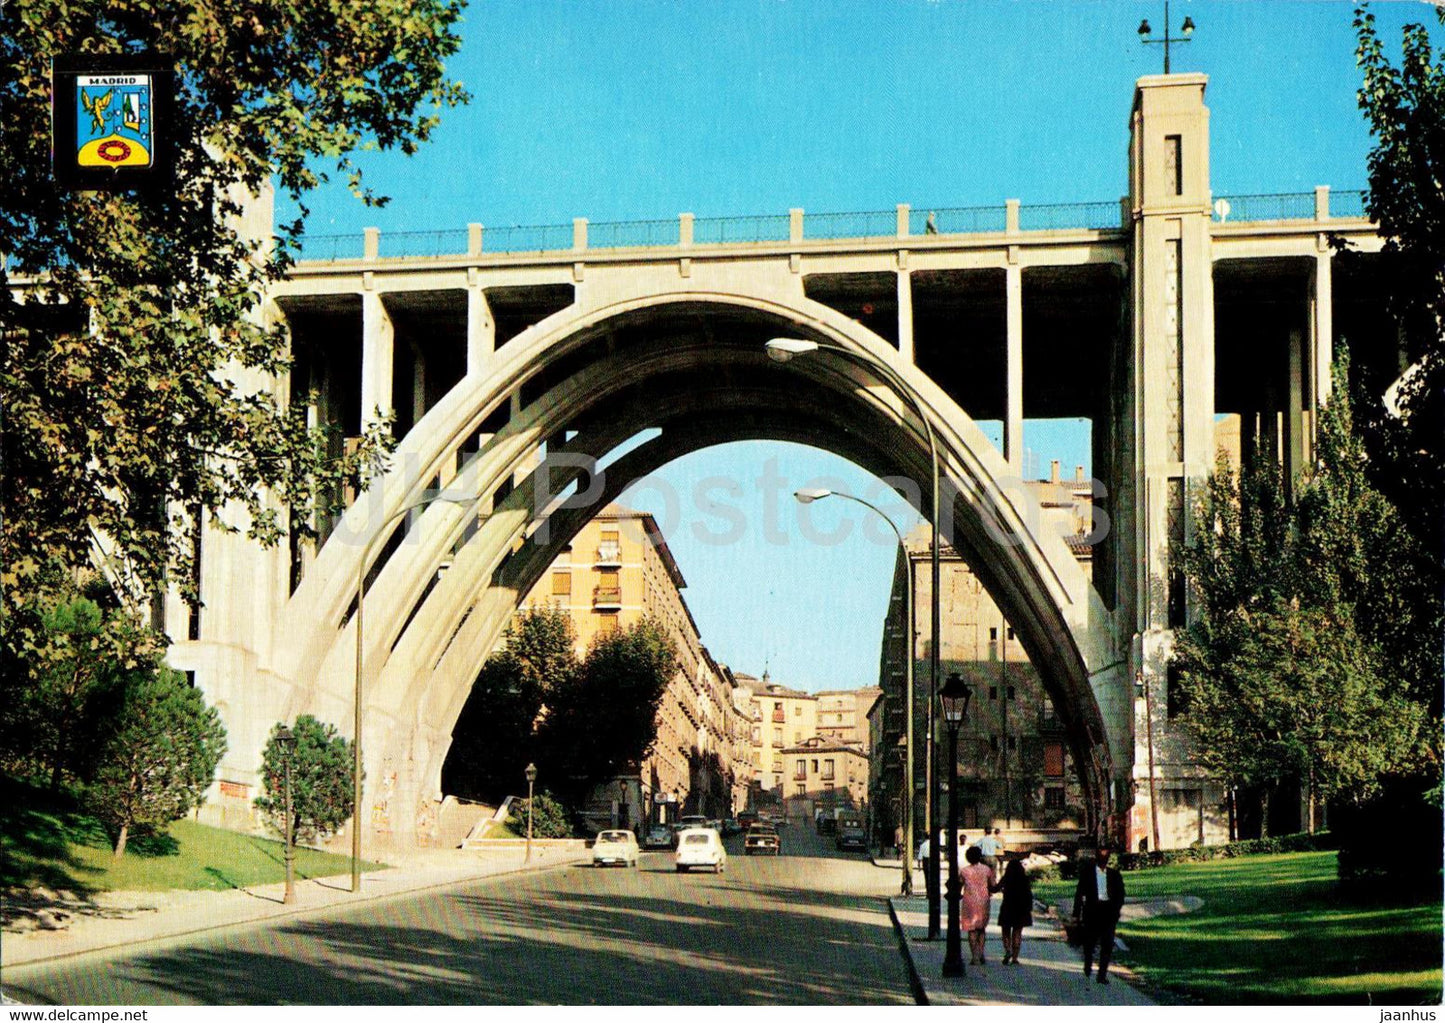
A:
(531, 774)
(954, 697)
(808, 496)
(783, 349)
(286, 743)
(1187, 28)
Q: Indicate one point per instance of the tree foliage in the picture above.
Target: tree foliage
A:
(321, 781)
(550, 818)
(1297, 665)
(495, 735)
(606, 719)
(1404, 431)
(159, 757)
(137, 370)
(581, 722)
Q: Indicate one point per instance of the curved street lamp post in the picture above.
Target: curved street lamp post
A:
(808, 496)
(784, 349)
(383, 532)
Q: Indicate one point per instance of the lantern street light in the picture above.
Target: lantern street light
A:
(954, 697)
(286, 744)
(531, 774)
(1187, 28)
(784, 349)
(808, 496)
(377, 537)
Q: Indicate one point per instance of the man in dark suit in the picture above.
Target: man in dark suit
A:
(1097, 902)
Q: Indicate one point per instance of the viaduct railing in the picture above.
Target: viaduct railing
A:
(903, 221)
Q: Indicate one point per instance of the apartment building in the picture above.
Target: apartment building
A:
(618, 570)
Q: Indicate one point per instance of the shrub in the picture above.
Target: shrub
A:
(1248, 847)
(321, 788)
(549, 817)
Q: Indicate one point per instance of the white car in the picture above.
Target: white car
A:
(619, 847)
(700, 847)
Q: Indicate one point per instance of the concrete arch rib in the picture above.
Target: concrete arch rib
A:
(1035, 579)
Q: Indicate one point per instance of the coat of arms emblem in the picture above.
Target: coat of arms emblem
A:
(113, 120)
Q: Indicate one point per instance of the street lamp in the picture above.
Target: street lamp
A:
(954, 697)
(380, 534)
(531, 774)
(784, 349)
(1187, 28)
(808, 496)
(286, 743)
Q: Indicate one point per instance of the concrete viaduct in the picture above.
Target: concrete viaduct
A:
(1151, 317)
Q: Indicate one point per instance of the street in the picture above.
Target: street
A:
(808, 927)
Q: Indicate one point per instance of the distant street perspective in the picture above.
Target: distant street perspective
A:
(747, 503)
(808, 927)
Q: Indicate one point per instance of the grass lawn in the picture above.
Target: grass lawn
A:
(1278, 929)
(43, 842)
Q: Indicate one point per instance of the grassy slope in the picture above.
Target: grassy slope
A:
(1277, 929)
(45, 843)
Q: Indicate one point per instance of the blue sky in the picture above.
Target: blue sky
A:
(641, 110)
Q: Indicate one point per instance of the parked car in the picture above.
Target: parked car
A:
(851, 836)
(762, 838)
(747, 819)
(692, 820)
(615, 848)
(700, 847)
(730, 826)
(659, 836)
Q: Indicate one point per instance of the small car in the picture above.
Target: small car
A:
(615, 847)
(700, 847)
(730, 826)
(762, 838)
(850, 837)
(659, 836)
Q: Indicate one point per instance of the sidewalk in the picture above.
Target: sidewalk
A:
(127, 918)
(1049, 971)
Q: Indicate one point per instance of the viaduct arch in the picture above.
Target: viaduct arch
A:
(691, 364)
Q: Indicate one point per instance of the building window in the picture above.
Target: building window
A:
(1053, 798)
(561, 584)
(993, 743)
(778, 737)
(1013, 742)
(801, 790)
(815, 767)
(1174, 162)
(797, 710)
(827, 770)
(993, 692)
(1054, 759)
(1011, 693)
(800, 771)
(1175, 698)
(777, 780)
(607, 624)
(1010, 634)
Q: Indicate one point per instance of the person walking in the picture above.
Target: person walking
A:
(1097, 901)
(1017, 909)
(988, 846)
(977, 880)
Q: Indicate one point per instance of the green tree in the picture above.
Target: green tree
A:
(321, 781)
(137, 369)
(1294, 666)
(80, 641)
(495, 734)
(160, 755)
(605, 720)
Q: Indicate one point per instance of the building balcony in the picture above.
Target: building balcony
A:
(607, 598)
(609, 555)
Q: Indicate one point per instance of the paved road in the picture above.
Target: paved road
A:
(808, 927)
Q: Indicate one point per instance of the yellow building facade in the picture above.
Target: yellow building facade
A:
(617, 571)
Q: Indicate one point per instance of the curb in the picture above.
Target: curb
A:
(285, 914)
(915, 982)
